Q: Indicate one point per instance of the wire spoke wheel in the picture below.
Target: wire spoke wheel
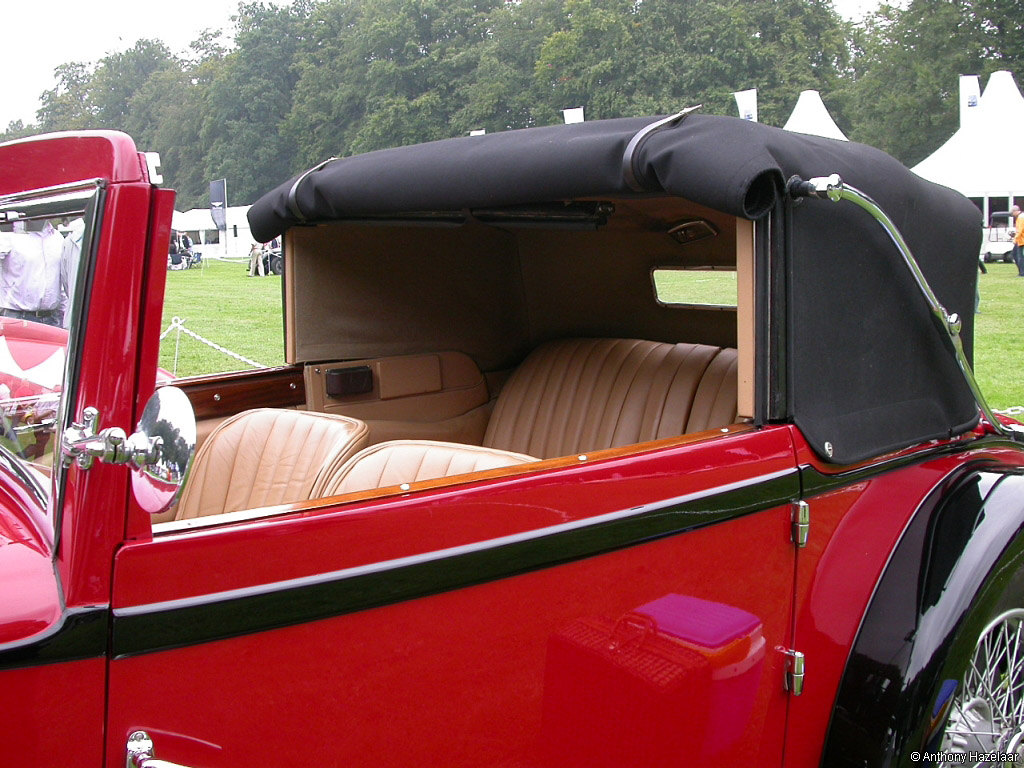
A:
(988, 713)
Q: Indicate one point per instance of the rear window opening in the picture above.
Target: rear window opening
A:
(704, 287)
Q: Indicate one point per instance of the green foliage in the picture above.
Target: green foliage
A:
(250, 96)
(302, 82)
(905, 91)
(591, 60)
(67, 106)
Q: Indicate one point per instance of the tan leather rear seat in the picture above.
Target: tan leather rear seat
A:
(569, 397)
(580, 395)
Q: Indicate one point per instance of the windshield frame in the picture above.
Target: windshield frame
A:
(82, 199)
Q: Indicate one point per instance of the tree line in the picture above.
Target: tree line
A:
(293, 85)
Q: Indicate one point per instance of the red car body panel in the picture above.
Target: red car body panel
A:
(354, 535)
(855, 530)
(56, 705)
(587, 657)
(407, 657)
(94, 518)
(65, 158)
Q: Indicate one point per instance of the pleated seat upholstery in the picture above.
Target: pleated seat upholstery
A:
(570, 397)
(408, 461)
(579, 395)
(268, 456)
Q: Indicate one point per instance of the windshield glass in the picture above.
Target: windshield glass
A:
(45, 239)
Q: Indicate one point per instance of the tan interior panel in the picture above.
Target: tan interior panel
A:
(407, 376)
(360, 290)
(204, 427)
(440, 396)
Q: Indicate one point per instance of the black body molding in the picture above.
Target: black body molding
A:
(145, 629)
(956, 558)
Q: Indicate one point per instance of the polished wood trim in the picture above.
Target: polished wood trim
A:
(444, 482)
(545, 464)
(231, 393)
(745, 330)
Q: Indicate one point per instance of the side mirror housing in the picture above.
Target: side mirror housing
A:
(160, 450)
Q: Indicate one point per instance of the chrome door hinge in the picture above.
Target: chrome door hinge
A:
(794, 679)
(801, 523)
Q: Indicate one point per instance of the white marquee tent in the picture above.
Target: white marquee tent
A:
(979, 160)
(199, 224)
(810, 116)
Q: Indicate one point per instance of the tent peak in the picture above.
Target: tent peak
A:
(812, 117)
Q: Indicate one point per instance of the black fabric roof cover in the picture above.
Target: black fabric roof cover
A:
(722, 163)
(867, 370)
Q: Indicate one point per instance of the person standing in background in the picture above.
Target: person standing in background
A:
(70, 255)
(30, 274)
(1017, 222)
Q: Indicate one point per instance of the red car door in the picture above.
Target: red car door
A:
(633, 610)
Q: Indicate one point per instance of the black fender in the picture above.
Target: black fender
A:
(961, 552)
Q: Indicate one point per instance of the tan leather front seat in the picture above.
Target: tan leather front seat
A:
(408, 461)
(268, 456)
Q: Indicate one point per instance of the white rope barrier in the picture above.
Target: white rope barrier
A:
(178, 324)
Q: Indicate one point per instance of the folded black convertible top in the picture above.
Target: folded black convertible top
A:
(865, 367)
(732, 165)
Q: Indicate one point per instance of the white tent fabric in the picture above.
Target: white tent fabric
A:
(810, 116)
(236, 243)
(198, 219)
(978, 160)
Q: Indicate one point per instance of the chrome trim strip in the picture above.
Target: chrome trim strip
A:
(60, 189)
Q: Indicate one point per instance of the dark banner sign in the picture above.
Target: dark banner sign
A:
(219, 203)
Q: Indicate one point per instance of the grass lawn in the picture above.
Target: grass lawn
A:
(222, 304)
(243, 314)
(999, 337)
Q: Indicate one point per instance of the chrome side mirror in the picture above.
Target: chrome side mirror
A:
(165, 441)
(160, 450)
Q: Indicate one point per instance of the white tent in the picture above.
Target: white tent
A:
(810, 116)
(979, 160)
(199, 224)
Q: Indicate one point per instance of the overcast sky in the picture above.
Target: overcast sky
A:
(36, 43)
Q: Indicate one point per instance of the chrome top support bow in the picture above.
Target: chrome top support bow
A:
(832, 188)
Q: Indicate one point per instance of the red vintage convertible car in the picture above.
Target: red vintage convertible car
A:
(641, 442)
